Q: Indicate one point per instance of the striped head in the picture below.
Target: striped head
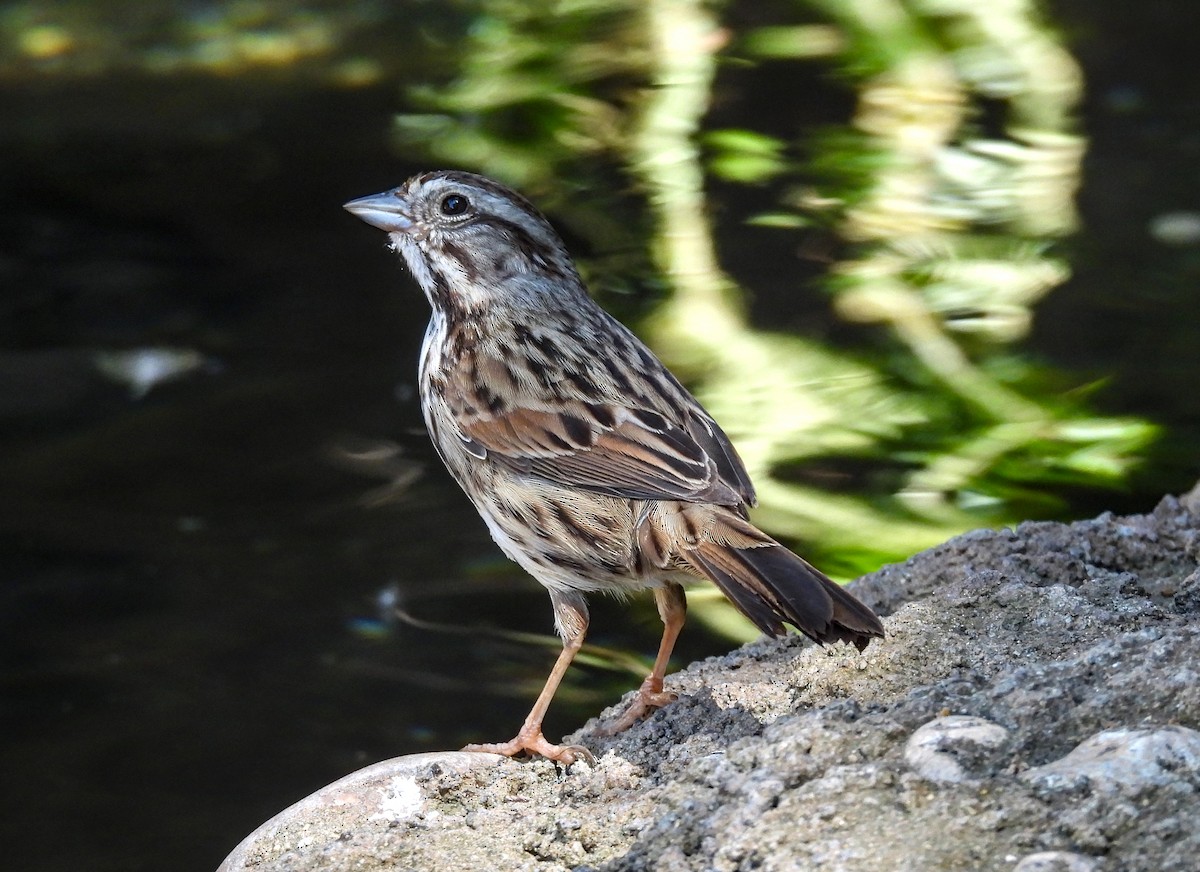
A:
(471, 242)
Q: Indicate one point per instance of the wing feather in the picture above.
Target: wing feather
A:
(627, 458)
(658, 445)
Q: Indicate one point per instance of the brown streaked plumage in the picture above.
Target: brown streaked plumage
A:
(592, 466)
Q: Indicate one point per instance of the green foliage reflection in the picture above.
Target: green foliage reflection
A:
(948, 191)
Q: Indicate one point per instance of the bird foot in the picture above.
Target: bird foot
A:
(650, 697)
(533, 742)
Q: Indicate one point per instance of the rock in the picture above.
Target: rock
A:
(1057, 861)
(1034, 705)
(1129, 761)
(940, 750)
(1187, 598)
(352, 809)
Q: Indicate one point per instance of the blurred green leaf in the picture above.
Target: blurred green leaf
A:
(744, 156)
(793, 43)
(781, 220)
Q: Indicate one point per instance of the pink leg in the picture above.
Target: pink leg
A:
(571, 617)
(672, 608)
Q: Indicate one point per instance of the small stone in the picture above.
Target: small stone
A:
(1126, 759)
(938, 750)
(1057, 861)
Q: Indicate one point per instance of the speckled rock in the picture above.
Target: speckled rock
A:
(376, 798)
(1071, 650)
(948, 749)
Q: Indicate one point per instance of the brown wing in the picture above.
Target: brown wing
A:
(633, 453)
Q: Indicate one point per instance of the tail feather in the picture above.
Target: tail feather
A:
(772, 586)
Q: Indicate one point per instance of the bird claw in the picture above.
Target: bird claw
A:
(536, 744)
(648, 701)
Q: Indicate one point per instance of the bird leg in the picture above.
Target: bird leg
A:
(571, 619)
(672, 608)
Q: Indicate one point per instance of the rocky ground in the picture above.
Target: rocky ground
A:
(1035, 706)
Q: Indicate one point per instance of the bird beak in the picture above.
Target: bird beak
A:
(385, 211)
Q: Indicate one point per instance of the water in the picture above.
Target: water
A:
(194, 629)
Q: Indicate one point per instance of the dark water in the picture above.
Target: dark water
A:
(190, 619)
(191, 629)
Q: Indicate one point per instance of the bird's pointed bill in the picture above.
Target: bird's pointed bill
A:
(385, 211)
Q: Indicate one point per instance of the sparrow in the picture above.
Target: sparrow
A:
(592, 466)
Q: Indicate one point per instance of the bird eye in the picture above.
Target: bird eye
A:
(455, 204)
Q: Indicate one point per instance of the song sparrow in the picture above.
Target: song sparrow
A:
(592, 466)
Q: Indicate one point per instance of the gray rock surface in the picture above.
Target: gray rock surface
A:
(1034, 707)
